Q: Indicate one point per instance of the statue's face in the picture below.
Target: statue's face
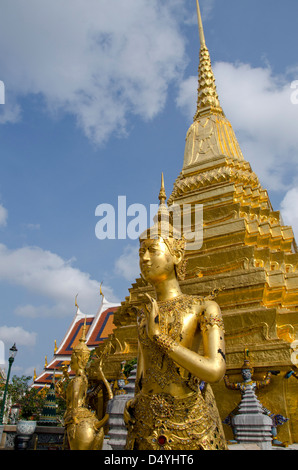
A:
(78, 362)
(246, 374)
(156, 262)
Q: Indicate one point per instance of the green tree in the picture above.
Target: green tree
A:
(30, 400)
(18, 388)
(128, 366)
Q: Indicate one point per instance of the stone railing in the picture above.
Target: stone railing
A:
(44, 438)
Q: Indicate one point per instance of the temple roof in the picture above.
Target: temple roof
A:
(98, 328)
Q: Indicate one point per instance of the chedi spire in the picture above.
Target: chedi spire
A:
(208, 100)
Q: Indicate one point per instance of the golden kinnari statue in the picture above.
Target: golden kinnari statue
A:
(84, 430)
(174, 407)
(250, 257)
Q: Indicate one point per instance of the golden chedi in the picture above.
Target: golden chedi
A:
(170, 411)
(247, 253)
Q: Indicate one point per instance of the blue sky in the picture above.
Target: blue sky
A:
(99, 95)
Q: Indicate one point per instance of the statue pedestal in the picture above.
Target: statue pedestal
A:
(255, 429)
(251, 425)
(118, 431)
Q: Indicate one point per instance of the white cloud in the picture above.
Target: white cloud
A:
(258, 105)
(17, 334)
(100, 61)
(33, 311)
(46, 274)
(206, 8)
(191, 18)
(10, 112)
(289, 209)
(127, 264)
(187, 96)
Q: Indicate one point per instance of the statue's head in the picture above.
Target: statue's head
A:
(81, 353)
(247, 369)
(159, 259)
(162, 247)
(246, 374)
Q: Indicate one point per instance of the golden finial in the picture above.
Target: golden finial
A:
(208, 100)
(162, 193)
(34, 375)
(162, 216)
(76, 302)
(83, 337)
(55, 347)
(100, 290)
(247, 362)
(46, 361)
(200, 23)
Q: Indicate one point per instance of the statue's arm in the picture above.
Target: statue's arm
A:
(129, 405)
(211, 366)
(230, 385)
(77, 392)
(60, 390)
(106, 383)
(265, 382)
(61, 385)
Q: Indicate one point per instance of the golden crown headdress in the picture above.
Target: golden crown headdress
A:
(81, 349)
(247, 363)
(164, 227)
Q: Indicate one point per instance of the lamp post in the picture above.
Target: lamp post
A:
(13, 351)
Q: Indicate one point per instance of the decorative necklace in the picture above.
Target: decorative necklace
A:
(171, 313)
